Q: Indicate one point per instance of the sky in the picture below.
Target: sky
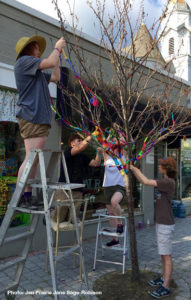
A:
(87, 21)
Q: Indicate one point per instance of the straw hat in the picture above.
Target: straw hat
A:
(24, 41)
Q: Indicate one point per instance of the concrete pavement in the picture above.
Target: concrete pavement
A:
(36, 283)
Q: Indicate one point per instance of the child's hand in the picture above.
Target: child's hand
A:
(131, 167)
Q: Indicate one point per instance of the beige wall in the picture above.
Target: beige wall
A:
(23, 21)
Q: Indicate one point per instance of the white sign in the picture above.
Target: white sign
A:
(150, 157)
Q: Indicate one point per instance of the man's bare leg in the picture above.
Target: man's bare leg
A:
(31, 143)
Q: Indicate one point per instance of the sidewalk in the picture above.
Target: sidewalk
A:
(35, 278)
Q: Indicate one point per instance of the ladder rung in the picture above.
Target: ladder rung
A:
(108, 216)
(111, 234)
(18, 237)
(72, 249)
(59, 185)
(47, 184)
(46, 150)
(109, 262)
(115, 248)
(11, 263)
(8, 287)
(30, 211)
(37, 181)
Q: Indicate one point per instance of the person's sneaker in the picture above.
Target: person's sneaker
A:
(28, 202)
(156, 282)
(113, 243)
(119, 228)
(161, 292)
(22, 202)
(36, 202)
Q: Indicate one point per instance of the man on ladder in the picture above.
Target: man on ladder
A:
(34, 116)
(27, 236)
(33, 107)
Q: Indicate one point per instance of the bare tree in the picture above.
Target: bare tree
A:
(131, 86)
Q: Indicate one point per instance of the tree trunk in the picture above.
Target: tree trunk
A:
(132, 232)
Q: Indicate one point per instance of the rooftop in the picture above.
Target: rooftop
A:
(145, 46)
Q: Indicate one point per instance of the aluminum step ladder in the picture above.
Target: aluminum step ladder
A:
(48, 189)
(108, 231)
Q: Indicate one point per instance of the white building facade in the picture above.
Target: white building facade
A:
(176, 40)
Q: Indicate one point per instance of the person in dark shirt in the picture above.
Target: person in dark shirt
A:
(164, 220)
(33, 106)
(77, 163)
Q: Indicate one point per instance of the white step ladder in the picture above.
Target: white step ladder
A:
(48, 190)
(107, 231)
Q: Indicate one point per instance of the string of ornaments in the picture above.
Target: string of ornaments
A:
(110, 143)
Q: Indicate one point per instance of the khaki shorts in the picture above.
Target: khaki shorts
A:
(110, 190)
(164, 238)
(30, 130)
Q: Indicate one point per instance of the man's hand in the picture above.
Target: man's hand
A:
(97, 160)
(53, 60)
(116, 126)
(99, 150)
(61, 43)
(131, 167)
(88, 139)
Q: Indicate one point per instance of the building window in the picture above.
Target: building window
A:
(171, 46)
(12, 153)
(185, 168)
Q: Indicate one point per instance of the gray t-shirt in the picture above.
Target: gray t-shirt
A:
(163, 208)
(32, 84)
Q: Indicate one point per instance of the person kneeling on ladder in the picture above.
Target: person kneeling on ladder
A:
(114, 191)
(33, 106)
(77, 163)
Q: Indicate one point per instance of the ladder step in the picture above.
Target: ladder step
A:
(12, 263)
(36, 180)
(59, 186)
(118, 248)
(72, 249)
(109, 262)
(19, 236)
(47, 150)
(102, 232)
(48, 186)
(30, 211)
(8, 287)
